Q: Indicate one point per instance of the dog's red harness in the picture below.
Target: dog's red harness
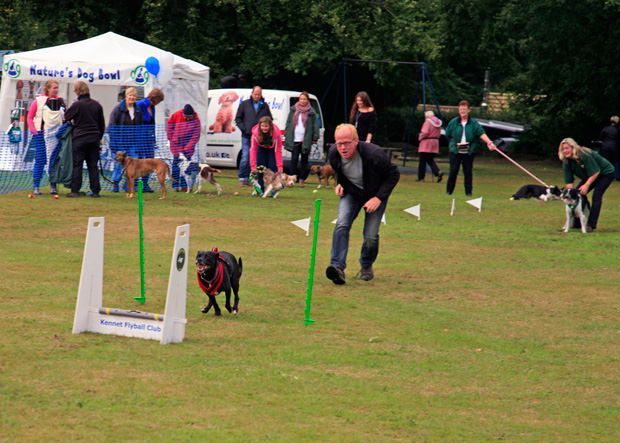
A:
(214, 284)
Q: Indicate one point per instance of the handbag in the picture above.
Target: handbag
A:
(462, 148)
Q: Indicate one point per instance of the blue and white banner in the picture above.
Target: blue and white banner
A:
(22, 69)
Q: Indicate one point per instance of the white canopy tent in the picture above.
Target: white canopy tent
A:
(106, 63)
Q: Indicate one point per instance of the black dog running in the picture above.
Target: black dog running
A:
(216, 272)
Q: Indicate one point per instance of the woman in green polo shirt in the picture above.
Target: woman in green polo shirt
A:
(594, 171)
(465, 135)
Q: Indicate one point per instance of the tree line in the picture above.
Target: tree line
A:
(558, 57)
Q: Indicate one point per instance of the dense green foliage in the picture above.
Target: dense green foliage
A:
(558, 56)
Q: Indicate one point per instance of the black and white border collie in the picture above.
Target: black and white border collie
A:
(577, 210)
(537, 191)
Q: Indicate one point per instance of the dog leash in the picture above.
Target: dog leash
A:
(523, 169)
(102, 174)
(254, 182)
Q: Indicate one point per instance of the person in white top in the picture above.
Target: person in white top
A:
(302, 131)
(45, 114)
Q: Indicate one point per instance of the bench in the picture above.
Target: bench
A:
(391, 152)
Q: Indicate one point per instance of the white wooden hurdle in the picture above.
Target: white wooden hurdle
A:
(92, 316)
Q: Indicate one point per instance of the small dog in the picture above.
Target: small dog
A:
(537, 191)
(207, 173)
(323, 172)
(275, 182)
(189, 170)
(217, 272)
(577, 210)
(224, 117)
(137, 167)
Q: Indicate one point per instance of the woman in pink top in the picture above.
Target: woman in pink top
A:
(266, 148)
(46, 112)
(429, 146)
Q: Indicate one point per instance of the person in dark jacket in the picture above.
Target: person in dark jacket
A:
(610, 143)
(248, 114)
(302, 131)
(125, 129)
(365, 179)
(86, 117)
(594, 171)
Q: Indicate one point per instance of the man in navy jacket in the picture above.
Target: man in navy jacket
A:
(365, 179)
(248, 114)
(86, 116)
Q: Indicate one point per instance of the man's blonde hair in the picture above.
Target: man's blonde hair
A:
(350, 127)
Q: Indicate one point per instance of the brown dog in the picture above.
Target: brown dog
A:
(275, 182)
(224, 117)
(323, 172)
(137, 167)
(207, 173)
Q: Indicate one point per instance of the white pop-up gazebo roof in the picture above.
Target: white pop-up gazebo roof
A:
(106, 63)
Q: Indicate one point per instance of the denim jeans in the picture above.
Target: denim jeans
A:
(244, 164)
(348, 209)
(178, 181)
(40, 158)
(117, 173)
(266, 158)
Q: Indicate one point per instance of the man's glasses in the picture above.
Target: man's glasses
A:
(347, 143)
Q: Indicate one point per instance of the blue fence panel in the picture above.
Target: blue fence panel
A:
(21, 164)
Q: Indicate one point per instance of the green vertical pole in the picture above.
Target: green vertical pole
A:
(315, 235)
(142, 297)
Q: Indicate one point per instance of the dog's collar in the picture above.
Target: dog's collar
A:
(212, 287)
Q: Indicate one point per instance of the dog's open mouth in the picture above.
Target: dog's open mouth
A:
(202, 268)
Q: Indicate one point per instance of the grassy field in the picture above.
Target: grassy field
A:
(478, 327)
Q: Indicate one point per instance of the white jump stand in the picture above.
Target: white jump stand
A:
(92, 316)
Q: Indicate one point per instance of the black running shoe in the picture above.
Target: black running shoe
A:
(335, 274)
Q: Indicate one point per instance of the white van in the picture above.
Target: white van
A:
(224, 138)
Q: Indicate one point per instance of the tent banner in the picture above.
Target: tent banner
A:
(124, 74)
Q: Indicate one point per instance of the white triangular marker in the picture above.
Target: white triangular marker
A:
(383, 219)
(414, 210)
(334, 221)
(453, 206)
(476, 203)
(304, 224)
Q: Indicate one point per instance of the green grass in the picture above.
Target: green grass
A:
(478, 327)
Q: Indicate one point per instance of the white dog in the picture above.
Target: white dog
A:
(189, 170)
